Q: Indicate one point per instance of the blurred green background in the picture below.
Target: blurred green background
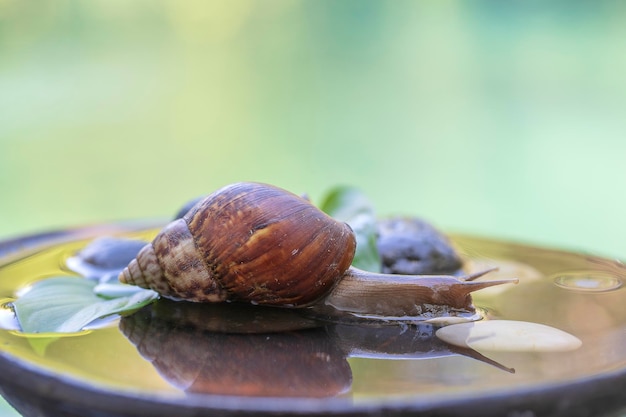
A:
(505, 119)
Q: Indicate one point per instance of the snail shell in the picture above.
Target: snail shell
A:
(247, 242)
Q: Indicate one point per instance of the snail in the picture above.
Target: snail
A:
(257, 243)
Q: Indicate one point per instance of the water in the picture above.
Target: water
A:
(174, 349)
(587, 281)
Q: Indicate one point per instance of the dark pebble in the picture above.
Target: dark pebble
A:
(111, 252)
(413, 246)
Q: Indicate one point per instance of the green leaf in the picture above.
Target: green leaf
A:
(66, 304)
(350, 205)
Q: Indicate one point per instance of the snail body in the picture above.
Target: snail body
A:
(257, 243)
(365, 295)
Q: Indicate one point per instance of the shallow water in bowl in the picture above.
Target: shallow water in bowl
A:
(168, 349)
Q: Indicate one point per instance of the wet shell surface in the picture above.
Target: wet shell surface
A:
(247, 242)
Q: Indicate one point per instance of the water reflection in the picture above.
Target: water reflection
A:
(587, 281)
(253, 351)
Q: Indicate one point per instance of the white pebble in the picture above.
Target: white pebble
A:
(509, 336)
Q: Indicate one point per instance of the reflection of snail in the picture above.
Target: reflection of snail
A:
(181, 342)
(261, 244)
(237, 349)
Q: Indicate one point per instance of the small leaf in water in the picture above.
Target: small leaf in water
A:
(350, 205)
(66, 304)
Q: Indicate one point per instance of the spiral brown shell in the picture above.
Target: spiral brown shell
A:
(247, 242)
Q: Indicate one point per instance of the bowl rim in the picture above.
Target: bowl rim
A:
(593, 395)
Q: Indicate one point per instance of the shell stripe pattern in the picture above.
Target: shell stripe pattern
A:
(270, 246)
(187, 275)
(170, 266)
(247, 242)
